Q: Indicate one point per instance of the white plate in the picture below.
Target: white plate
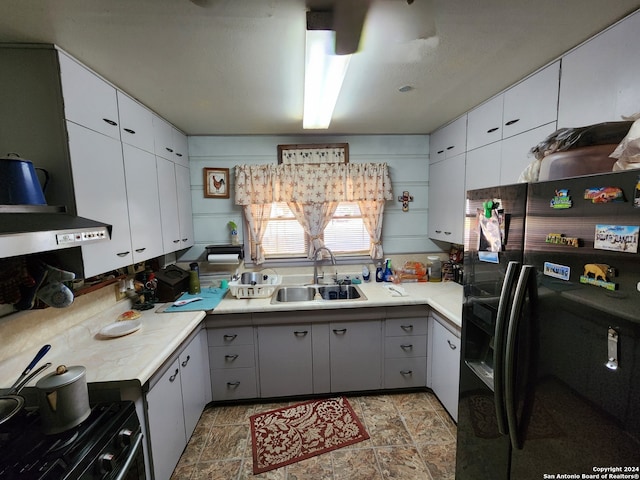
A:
(118, 329)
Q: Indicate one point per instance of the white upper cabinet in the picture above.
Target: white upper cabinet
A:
(601, 78)
(532, 103)
(136, 125)
(449, 141)
(185, 210)
(484, 125)
(163, 138)
(483, 166)
(168, 204)
(516, 156)
(180, 147)
(99, 185)
(446, 199)
(88, 99)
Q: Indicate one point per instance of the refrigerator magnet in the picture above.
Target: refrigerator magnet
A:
(636, 195)
(604, 194)
(599, 274)
(555, 270)
(617, 238)
(562, 199)
(560, 239)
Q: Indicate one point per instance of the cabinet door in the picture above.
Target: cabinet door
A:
(166, 422)
(168, 205)
(136, 126)
(445, 367)
(515, 152)
(356, 356)
(446, 199)
(163, 138)
(194, 380)
(185, 212)
(455, 136)
(483, 166)
(285, 359)
(88, 99)
(533, 102)
(181, 147)
(599, 80)
(484, 123)
(99, 184)
(437, 142)
(144, 204)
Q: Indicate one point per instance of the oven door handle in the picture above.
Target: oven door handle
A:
(136, 446)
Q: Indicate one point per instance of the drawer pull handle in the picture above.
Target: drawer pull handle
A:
(128, 130)
(451, 147)
(339, 331)
(230, 358)
(176, 241)
(447, 233)
(186, 361)
(178, 154)
(440, 151)
(170, 150)
(233, 384)
(173, 377)
(140, 250)
(438, 231)
(302, 333)
(451, 345)
(406, 328)
(123, 254)
(494, 129)
(406, 372)
(229, 338)
(185, 239)
(406, 346)
(110, 122)
(511, 122)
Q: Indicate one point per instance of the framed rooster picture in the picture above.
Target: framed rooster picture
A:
(216, 182)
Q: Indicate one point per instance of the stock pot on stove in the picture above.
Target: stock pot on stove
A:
(63, 398)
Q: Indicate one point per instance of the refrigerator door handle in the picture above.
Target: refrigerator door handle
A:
(527, 275)
(498, 345)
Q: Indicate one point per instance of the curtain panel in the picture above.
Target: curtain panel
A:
(311, 190)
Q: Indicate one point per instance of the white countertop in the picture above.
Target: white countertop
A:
(445, 297)
(137, 356)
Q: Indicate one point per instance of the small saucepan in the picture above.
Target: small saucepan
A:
(11, 403)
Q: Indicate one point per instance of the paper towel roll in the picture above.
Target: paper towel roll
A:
(223, 258)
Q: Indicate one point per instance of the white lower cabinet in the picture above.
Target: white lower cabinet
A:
(355, 352)
(232, 362)
(175, 402)
(285, 360)
(405, 351)
(444, 362)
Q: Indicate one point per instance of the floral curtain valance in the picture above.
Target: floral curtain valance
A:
(305, 184)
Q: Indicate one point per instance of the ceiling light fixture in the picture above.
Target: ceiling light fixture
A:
(324, 72)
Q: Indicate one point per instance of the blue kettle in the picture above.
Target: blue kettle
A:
(19, 182)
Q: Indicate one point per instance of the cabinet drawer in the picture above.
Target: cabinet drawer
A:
(405, 326)
(230, 336)
(233, 383)
(405, 372)
(236, 356)
(405, 347)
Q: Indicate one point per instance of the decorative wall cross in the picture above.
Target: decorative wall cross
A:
(405, 199)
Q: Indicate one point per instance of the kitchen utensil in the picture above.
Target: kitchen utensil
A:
(179, 303)
(63, 398)
(19, 183)
(12, 403)
(41, 353)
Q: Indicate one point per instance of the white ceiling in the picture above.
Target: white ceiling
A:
(237, 67)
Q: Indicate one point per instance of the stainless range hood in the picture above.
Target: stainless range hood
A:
(26, 229)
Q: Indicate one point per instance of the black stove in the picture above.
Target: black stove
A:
(107, 445)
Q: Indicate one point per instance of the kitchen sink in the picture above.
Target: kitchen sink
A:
(288, 294)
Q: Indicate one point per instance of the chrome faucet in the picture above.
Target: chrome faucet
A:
(315, 263)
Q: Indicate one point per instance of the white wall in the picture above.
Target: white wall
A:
(406, 155)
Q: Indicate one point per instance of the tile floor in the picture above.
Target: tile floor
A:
(412, 438)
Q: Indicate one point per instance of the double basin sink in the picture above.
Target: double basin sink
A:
(307, 293)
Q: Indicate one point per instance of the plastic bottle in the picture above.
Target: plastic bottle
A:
(388, 274)
(194, 282)
(379, 272)
(365, 274)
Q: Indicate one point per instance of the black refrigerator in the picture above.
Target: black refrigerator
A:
(550, 361)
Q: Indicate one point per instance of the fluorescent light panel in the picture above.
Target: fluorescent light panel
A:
(324, 74)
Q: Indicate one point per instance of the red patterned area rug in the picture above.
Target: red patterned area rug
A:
(287, 435)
